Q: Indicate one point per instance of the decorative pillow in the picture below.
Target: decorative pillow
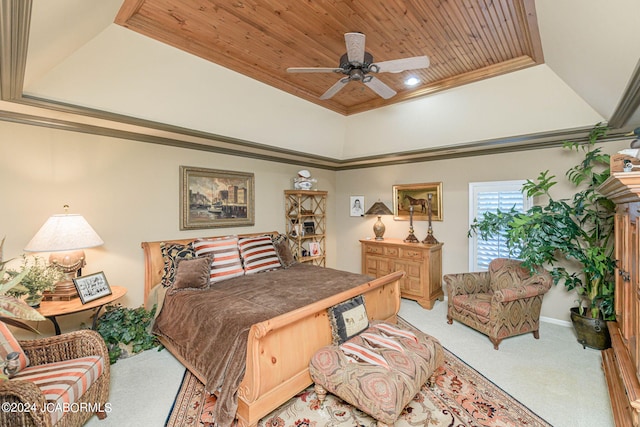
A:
(258, 254)
(172, 253)
(193, 273)
(226, 258)
(281, 243)
(348, 319)
(9, 344)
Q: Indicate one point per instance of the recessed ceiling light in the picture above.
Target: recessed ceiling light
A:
(412, 81)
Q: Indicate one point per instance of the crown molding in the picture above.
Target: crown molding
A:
(18, 108)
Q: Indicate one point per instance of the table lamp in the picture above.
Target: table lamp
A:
(379, 209)
(65, 236)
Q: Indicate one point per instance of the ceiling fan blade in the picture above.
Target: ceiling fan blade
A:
(355, 47)
(398, 65)
(380, 88)
(335, 88)
(313, 70)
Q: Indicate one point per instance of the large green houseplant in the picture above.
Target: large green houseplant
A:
(572, 237)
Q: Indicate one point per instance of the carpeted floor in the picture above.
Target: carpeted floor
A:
(553, 376)
(460, 397)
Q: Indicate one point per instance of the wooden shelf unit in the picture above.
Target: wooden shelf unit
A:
(621, 362)
(422, 264)
(306, 222)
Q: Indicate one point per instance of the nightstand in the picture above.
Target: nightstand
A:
(422, 264)
(51, 309)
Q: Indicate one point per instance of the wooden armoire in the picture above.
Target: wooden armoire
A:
(621, 362)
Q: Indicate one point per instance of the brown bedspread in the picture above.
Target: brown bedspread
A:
(209, 328)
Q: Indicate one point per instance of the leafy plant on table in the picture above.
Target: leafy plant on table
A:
(12, 310)
(577, 232)
(39, 277)
(123, 327)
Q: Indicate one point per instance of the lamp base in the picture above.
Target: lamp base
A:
(378, 229)
(59, 296)
(70, 263)
(65, 291)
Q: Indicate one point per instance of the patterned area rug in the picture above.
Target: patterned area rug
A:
(460, 397)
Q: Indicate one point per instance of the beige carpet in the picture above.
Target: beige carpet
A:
(546, 375)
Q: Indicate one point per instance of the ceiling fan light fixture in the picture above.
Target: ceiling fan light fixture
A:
(358, 65)
(412, 81)
(356, 74)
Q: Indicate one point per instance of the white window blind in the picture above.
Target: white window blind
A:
(490, 197)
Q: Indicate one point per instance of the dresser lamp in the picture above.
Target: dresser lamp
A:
(379, 209)
(65, 236)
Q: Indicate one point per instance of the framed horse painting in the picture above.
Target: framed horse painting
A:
(425, 199)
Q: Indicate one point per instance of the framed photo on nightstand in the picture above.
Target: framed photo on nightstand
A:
(92, 287)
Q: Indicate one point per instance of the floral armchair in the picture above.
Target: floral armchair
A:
(63, 380)
(501, 302)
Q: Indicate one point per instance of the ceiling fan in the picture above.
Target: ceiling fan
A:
(358, 65)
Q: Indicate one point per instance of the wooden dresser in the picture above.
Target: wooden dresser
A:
(422, 264)
(621, 362)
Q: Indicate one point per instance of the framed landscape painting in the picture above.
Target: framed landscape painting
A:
(418, 196)
(212, 198)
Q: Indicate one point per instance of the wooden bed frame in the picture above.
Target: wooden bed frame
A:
(279, 349)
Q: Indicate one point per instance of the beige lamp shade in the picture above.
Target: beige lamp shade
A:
(379, 209)
(65, 236)
(66, 232)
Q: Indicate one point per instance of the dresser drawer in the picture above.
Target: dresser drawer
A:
(377, 250)
(391, 251)
(408, 253)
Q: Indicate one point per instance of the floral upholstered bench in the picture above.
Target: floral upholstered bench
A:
(379, 371)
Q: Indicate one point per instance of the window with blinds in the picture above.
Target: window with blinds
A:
(490, 197)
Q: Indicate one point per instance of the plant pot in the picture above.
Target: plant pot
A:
(34, 300)
(592, 333)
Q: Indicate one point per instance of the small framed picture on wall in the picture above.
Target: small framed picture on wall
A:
(356, 205)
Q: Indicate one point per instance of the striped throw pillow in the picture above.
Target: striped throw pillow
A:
(258, 254)
(9, 344)
(226, 258)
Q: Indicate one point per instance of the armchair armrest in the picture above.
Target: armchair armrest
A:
(520, 292)
(29, 401)
(467, 283)
(67, 346)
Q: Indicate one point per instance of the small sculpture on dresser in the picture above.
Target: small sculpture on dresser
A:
(411, 238)
(430, 239)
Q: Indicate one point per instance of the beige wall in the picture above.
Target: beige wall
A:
(455, 175)
(127, 190)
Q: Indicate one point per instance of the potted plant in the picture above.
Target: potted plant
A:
(126, 330)
(13, 310)
(572, 237)
(39, 277)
